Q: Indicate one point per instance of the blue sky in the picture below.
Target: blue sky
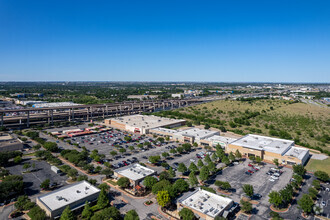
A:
(213, 41)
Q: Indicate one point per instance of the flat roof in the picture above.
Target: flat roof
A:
(197, 133)
(297, 152)
(135, 171)
(67, 195)
(146, 121)
(205, 202)
(257, 142)
(171, 131)
(223, 139)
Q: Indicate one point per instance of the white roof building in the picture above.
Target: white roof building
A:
(206, 203)
(257, 142)
(74, 196)
(221, 140)
(134, 172)
(197, 133)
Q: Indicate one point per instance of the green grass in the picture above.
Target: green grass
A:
(112, 182)
(322, 165)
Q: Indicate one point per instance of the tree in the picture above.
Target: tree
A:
(154, 159)
(207, 126)
(238, 154)
(246, 206)
(193, 167)
(123, 182)
(131, 148)
(182, 168)
(306, 203)
(67, 214)
(313, 193)
(163, 198)
(204, 173)
(171, 172)
(149, 182)
(36, 213)
(17, 159)
(275, 198)
(231, 156)
(45, 184)
(248, 190)
(165, 154)
(258, 159)
(181, 185)
(193, 181)
(211, 167)
(107, 213)
(316, 184)
(161, 185)
(214, 157)
(207, 159)
(107, 171)
(26, 166)
(286, 194)
(113, 153)
(187, 214)
(104, 186)
(298, 179)
(122, 150)
(131, 215)
(225, 160)
(72, 173)
(275, 161)
(200, 163)
(252, 157)
(164, 176)
(173, 151)
(223, 185)
(87, 213)
(321, 175)
(299, 169)
(102, 200)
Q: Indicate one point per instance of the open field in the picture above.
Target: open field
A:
(314, 165)
(307, 125)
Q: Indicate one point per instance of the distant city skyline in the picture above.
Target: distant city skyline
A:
(165, 41)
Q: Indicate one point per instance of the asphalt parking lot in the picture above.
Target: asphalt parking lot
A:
(324, 199)
(236, 176)
(33, 179)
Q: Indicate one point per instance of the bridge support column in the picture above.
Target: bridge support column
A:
(103, 109)
(87, 114)
(92, 113)
(107, 110)
(69, 114)
(52, 116)
(28, 119)
(1, 120)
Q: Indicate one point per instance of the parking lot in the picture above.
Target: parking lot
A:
(33, 179)
(324, 199)
(237, 177)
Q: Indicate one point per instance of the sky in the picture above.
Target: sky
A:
(156, 40)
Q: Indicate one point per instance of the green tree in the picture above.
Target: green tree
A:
(313, 193)
(171, 172)
(67, 214)
(193, 181)
(193, 167)
(26, 166)
(154, 159)
(87, 213)
(173, 151)
(45, 184)
(131, 215)
(163, 198)
(231, 156)
(181, 186)
(275, 161)
(204, 173)
(246, 206)
(186, 214)
(207, 126)
(211, 167)
(182, 168)
(131, 148)
(316, 184)
(165, 154)
(258, 159)
(164, 176)
(123, 182)
(161, 185)
(122, 150)
(207, 159)
(321, 175)
(149, 182)
(102, 200)
(299, 169)
(200, 163)
(17, 159)
(306, 203)
(225, 160)
(248, 190)
(104, 186)
(238, 154)
(110, 213)
(36, 213)
(113, 153)
(275, 198)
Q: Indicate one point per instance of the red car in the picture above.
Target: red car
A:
(250, 165)
(250, 171)
(256, 169)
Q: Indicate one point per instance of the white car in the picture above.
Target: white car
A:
(323, 203)
(192, 160)
(274, 177)
(271, 180)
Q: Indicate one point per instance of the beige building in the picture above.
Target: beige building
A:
(8, 143)
(74, 196)
(205, 205)
(269, 148)
(142, 123)
(134, 172)
(217, 140)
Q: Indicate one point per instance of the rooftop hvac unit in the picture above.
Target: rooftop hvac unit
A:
(245, 141)
(78, 191)
(277, 146)
(190, 200)
(211, 209)
(86, 188)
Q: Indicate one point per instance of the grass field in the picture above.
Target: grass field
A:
(308, 125)
(314, 165)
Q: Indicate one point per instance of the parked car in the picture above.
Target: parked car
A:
(250, 171)
(247, 173)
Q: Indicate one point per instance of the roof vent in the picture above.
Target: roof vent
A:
(78, 191)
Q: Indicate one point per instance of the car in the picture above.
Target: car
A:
(276, 174)
(250, 171)
(192, 160)
(271, 180)
(247, 173)
(255, 169)
(323, 203)
(236, 163)
(274, 177)
(258, 196)
(250, 165)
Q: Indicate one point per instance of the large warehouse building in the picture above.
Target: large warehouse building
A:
(74, 196)
(142, 123)
(8, 143)
(269, 148)
(205, 205)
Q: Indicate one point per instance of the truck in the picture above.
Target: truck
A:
(55, 169)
